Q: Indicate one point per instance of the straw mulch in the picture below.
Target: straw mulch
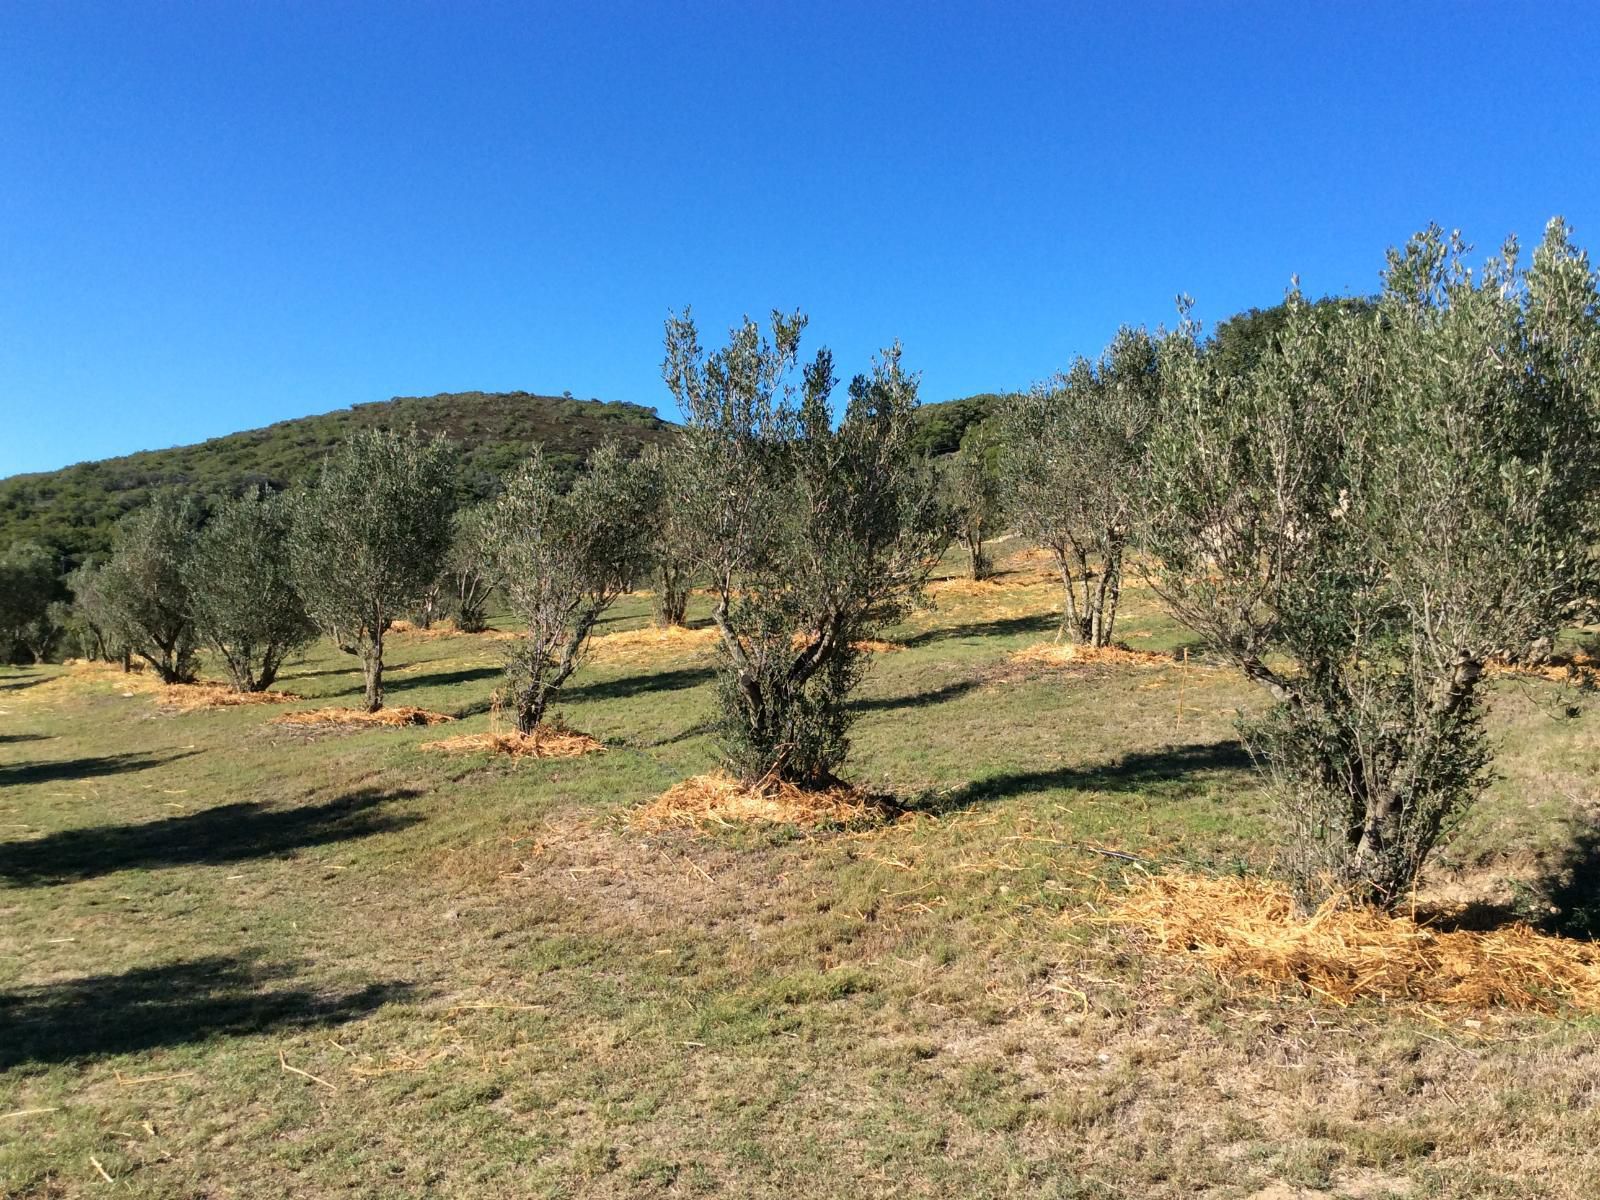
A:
(1052, 654)
(198, 697)
(543, 742)
(718, 799)
(862, 646)
(356, 716)
(1249, 930)
(1581, 668)
(877, 646)
(652, 642)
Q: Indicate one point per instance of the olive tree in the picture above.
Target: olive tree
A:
(29, 587)
(370, 537)
(813, 536)
(672, 573)
(1073, 454)
(562, 558)
(142, 588)
(975, 494)
(90, 619)
(1382, 504)
(241, 596)
(468, 572)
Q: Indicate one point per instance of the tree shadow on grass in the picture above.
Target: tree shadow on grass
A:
(1169, 771)
(64, 770)
(1001, 627)
(225, 834)
(949, 691)
(25, 682)
(1563, 901)
(7, 738)
(171, 1005)
(440, 679)
(639, 685)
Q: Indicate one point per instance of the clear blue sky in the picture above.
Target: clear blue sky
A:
(218, 215)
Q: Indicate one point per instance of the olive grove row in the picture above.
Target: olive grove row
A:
(1386, 498)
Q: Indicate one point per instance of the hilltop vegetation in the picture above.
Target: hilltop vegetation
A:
(72, 510)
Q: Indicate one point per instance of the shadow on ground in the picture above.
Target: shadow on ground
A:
(27, 681)
(1564, 900)
(1003, 627)
(1171, 771)
(640, 685)
(171, 1005)
(67, 769)
(225, 834)
(406, 683)
(8, 738)
(949, 691)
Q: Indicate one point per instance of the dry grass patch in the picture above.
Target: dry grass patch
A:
(1051, 654)
(720, 799)
(652, 641)
(356, 716)
(543, 742)
(198, 697)
(1250, 930)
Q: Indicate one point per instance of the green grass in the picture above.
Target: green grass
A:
(503, 991)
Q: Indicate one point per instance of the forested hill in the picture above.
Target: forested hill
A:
(73, 509)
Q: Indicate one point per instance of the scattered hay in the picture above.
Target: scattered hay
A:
(1249, 930)
(1052, 654)
(863, 646)
(198, 697)
(652, 641)
(877, 646)
(1581, 668)
(543, 742)
(357, 716)
(720, 799)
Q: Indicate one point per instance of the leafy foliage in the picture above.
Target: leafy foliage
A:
(468, 570)
(672, 538)
(975, 493)
(241, 597)
(562, 558)
(813, 537)
(941, 426)
(1385, 502)
(1073, 453)
(370, 538)
(28, 589)
(142, 590)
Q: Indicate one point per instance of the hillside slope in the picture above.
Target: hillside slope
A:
(73, 509)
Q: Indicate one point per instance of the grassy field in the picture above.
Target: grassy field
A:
(238, 959)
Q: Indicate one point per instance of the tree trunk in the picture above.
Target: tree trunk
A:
(672, 596)
(977, 561)
(1069, 602)
(372, 671)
